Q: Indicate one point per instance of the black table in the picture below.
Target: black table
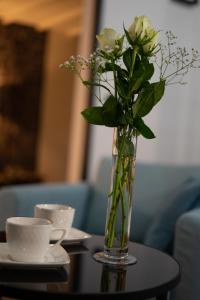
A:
(154, 274)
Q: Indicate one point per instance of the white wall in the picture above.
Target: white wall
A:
(175, 120)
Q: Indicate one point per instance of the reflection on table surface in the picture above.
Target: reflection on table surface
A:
(113, 279)
(85, 275)
(62, 279)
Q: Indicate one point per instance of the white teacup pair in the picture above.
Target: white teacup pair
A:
(28, 238)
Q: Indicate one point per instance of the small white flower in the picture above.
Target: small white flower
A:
(108, 38)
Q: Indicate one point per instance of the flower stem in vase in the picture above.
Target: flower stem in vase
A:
(120, 198)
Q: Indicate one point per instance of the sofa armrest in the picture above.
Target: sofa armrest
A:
(19, 200)
(187, 251)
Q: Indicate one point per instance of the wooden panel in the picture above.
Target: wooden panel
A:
(20, 87)
(61, 145)
(55, 110)
(43, 14)
(78, 126)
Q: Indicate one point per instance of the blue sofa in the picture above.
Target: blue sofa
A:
(166, 211)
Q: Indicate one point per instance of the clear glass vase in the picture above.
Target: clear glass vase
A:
(119, 210)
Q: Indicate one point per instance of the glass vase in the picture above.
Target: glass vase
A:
(119, 210)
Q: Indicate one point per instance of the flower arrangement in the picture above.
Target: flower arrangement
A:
(124, 66)
(130, 58)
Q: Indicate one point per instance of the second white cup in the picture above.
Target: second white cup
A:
(60, 215)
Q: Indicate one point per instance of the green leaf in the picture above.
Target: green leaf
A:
(122, 72)
(122, 85)
(112, 112)
(143, 128)
(94, 115)
(143, 73)
(127, 58)
(148, 98)
(128, 37)
(92, 83)
(110, 67)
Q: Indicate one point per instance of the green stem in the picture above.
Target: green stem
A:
(123, 225)
(115, 196)
(121, 183)
(89, 83)
(133, 61)
(115, 201)
(115, 78)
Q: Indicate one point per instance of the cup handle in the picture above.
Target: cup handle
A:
(62, 236)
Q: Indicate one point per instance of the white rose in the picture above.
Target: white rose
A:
(142, 30)
(108, 39)
(138, 27)
(153, 40)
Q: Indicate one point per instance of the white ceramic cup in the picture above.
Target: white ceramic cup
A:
(28, 238)
(61, 215)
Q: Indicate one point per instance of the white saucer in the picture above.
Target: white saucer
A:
(55, 257)
(74, 236)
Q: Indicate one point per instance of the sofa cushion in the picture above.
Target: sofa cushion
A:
(153, 185)
(184, 198)
(19, 200)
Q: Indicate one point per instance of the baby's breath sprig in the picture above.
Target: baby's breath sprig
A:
(175, 62)
(78, 64)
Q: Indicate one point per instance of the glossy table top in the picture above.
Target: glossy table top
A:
(153, 274)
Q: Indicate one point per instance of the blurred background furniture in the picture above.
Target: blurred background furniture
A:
(166, 211)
